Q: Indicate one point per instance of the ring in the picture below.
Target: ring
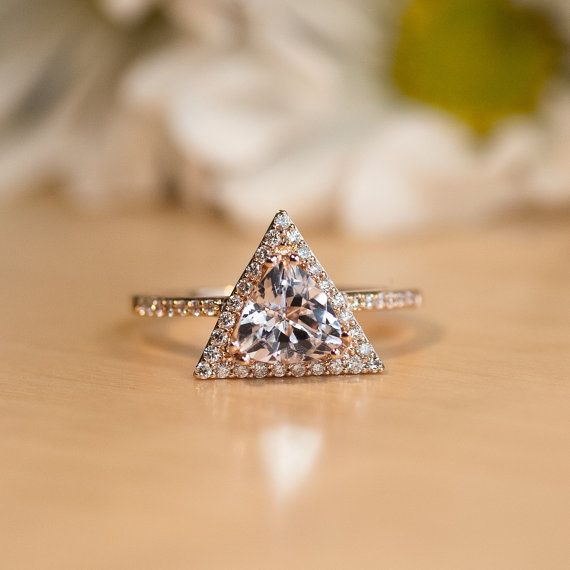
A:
(284, 316)
(209, 302)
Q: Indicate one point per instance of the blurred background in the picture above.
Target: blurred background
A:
(376, 116)
(420, 143)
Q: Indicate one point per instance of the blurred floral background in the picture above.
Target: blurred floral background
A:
(376, 115)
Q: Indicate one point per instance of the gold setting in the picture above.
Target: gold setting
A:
(220, 359)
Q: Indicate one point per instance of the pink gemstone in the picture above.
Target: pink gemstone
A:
(287, 318)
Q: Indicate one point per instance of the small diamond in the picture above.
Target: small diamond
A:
(338, 300)
(332, 292)
(315, 268)
(212, 354)
(355, 365)
(180, 307)
(326, 284)
(293, 235)
(273, 238)
(304, 251)
(317, 369)
(364, 349)
(241, 371)
(297, 370)
(194, 308)
(218, 337)
(234, 303)
(375, 365)
(203, 370)
(209, 308)
(282, 220)
(261, 254)
(345, 315)
(358, 335)
(260, 370)
(335, 367)
(253, 269)
(223, 371)
(244, 287)
(226, 320)
(390, 300)
(278, 369)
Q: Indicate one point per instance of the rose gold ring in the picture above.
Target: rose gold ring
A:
(284, 316)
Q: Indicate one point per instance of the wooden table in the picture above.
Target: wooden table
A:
(113, 457)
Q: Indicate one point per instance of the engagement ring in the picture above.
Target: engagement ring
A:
(284, 317)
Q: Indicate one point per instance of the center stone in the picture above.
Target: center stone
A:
(287, 318)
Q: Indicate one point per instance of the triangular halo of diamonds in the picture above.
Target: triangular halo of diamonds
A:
(285, 317)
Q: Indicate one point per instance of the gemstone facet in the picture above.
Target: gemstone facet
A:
(287, 318)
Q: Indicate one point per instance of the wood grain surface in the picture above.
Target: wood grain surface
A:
(113, 457)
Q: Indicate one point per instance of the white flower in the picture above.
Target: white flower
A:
(416, 168)
(255, 105)
(281, 124)
(62, 123)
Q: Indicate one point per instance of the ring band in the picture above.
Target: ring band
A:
(209, 303)
(283, 317)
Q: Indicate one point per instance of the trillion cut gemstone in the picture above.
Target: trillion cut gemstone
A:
(287, 318)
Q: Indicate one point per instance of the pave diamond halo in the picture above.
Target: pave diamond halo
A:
(285, 317)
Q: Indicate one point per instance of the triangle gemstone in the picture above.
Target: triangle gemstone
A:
(288, 318)
(285, 317)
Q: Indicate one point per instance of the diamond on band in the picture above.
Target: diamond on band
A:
(211, 306)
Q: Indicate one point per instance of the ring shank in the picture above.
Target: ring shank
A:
(209, 302)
